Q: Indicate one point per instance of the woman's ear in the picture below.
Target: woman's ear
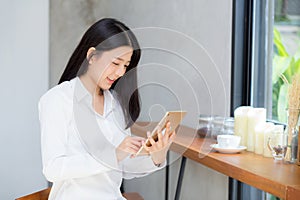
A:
(90, 53)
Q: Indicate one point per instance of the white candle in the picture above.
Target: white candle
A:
(259, 138)
(241, 123)
(255, 117)
(269, 135)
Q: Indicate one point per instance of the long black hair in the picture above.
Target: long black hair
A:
(107, 34)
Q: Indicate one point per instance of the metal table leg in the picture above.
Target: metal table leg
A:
(180, 178)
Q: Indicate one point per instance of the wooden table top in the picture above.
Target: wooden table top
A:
(277, 178)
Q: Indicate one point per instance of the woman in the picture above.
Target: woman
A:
(87, 147)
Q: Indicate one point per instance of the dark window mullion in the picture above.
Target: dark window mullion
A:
(241, 53)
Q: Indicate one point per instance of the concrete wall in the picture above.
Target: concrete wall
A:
(185, 64)
(24, 78)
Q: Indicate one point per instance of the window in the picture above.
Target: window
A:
(275, 55)
(265, 55)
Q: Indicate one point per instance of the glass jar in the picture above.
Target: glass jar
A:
(205, 126)
(228, 128)
(217, 126)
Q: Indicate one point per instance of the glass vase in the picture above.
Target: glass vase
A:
(291, 136)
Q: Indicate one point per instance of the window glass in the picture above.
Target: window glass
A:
(286, 53)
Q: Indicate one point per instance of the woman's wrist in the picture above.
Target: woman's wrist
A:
(158, 158)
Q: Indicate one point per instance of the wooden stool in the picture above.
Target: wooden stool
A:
(40, 195)
(43, 195)
(132, 196)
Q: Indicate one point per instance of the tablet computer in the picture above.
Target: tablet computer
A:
(174, 117)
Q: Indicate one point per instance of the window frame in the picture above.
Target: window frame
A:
(248, 47)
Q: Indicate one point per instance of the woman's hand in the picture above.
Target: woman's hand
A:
(130, 145)
(158, 150)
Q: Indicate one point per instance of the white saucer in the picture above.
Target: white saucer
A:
(228, 150)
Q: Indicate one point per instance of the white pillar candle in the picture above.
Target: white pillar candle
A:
(269, 135)
(241, 123)
(259, 138)
(255, 117)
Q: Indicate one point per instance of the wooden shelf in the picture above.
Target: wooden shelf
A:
(277, 178)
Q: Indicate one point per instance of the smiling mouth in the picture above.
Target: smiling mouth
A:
(111, 81)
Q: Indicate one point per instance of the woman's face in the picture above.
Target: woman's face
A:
(106, 67)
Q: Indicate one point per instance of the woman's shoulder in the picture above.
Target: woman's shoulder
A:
(59, 93)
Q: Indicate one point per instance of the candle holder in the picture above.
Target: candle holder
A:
(278, 151)
(276, 144)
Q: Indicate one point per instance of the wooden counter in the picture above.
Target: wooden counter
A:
(277, 178)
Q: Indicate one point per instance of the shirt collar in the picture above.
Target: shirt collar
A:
(109, 102)
(81, 93)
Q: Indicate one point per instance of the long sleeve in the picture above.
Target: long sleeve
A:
(58, 163)
(139, 166)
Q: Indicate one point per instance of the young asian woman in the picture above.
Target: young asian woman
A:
(85, 120)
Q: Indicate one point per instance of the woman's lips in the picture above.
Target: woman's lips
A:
(110, 81)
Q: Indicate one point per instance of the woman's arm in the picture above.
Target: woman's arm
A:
(57, 165)
(159, 149)
(139, 166)
(143, 165)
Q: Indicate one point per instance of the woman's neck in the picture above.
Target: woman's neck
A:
(90, 85)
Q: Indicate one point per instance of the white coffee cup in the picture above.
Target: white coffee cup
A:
(228, 141)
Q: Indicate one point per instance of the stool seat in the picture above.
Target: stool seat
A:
(40, 195)
(43, 195)
(132, 196)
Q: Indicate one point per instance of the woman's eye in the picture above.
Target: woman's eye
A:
(117, 64)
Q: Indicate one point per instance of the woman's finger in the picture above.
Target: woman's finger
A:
(166, 138)
(160, 142)
(167, 131)
(132, 150)
(128, 150)
(172, 137)
(152, 142)
(145, 146)
(136, 138)
(135, 142)
(168, 126)
(159, 135)
(135, 147)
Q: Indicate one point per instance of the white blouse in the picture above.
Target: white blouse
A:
(78, 145)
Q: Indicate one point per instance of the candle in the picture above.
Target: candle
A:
(255, 117)
(260, 131)
(259, 138)
(241, 123)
